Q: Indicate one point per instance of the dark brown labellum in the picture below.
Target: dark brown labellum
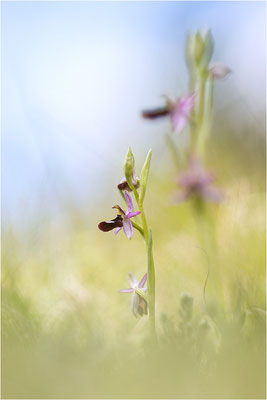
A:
(108, 226)
(124, 186)
(156, 113)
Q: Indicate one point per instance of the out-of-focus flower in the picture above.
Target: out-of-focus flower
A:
(138, 303)
(123, 219)
(123, 185)
(197, 181)
(219, 71)
(178, 109)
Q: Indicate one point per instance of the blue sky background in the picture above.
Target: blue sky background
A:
(75, 76)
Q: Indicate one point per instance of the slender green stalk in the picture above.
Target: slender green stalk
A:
(144, 223)
(151, 283)
(146, 234)
(201, 108)
(150, 271)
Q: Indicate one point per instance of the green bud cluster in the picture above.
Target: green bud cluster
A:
(199, 50)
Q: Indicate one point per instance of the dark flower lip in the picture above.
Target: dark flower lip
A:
(124, 186)
(108, 226)
(156, 113)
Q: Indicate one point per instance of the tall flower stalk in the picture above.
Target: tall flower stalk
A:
(131, 183)
(195, 110)
(129, 171)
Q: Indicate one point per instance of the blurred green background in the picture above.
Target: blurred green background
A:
(66, 331)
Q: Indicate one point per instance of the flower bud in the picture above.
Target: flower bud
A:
(129, 167)
(187, 301)
(199, 48)
(219, 71)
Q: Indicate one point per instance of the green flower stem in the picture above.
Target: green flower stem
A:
(136, 195)
(205, 114)
(201, 108)
(151, 284)
(150, 272)
(210, 99)
(144, 223)
(147, 234)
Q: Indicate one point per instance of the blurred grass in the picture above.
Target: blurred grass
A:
(68, 333)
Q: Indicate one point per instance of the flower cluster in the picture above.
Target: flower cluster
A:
(199, 51)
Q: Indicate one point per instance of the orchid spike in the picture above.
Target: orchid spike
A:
(178, 110)
(138, 302)
(198, 182)
(123, 219)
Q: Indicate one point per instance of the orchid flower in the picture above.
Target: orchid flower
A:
(123, 219)
(178, 109)
(197, 181)
(138, 303)
(123, 185)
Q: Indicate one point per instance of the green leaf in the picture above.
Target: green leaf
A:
(144, 176)
(129, 167)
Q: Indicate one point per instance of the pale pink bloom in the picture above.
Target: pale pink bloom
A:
(219, 71)
(197, 181)
(178, 110)
(123, 219)
(138, 303)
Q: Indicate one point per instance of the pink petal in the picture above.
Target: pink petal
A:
(179, 121)
(181, 111)
(130, 290)
(117, 231)
(143, 281)
(133, 214)
(129, 202)
(219, 71)
(187, 103)
(132, 280)
(134, 178)
(128, 228)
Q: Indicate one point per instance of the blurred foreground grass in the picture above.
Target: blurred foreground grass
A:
(68, 333)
